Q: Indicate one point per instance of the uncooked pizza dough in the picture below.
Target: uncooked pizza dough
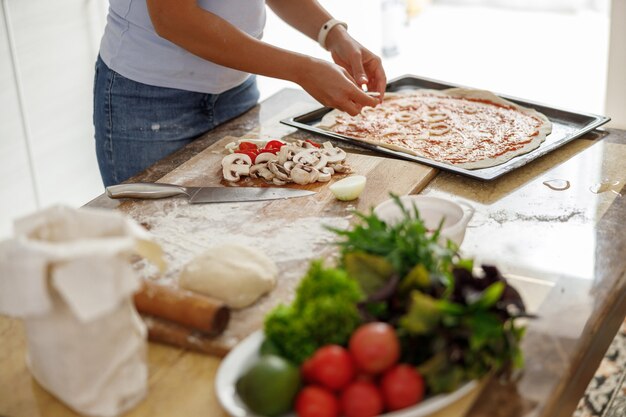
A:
(463, 127)
(235, 274)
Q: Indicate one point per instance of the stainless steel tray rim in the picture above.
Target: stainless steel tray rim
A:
(485, 174)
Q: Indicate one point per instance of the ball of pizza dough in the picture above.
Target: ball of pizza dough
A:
(235, 274)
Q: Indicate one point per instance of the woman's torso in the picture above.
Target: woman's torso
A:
(131, 47)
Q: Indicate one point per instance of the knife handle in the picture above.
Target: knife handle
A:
(145, 190)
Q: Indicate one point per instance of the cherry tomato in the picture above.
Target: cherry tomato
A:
(306, 370)
(315, 401)
(274, 145)
(245, 146)
(332, 367)
(362, 376)
(402, 386)
(317, 145)
(361, 399)
(375, 347)
(252, 153)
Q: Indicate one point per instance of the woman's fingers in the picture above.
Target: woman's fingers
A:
(349, 107)
(335, 87)
(358, 71)
(352, 101)
(378, 79)
(363, 99)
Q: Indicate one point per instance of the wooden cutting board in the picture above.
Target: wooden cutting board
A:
(292, 232)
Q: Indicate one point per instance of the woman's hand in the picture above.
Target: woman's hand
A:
(333, 86)
(361, 64)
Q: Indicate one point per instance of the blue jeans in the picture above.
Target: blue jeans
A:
(137, 124)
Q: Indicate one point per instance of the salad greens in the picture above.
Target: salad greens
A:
(404, 245)
(453, 325)
(323, 312)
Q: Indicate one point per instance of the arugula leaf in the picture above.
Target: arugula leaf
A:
(370, 271)
(489, 296)
(423, 315)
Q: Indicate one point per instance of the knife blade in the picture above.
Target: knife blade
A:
(197, 195)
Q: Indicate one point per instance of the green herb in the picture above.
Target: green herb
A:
(323, 312)
(404, 245)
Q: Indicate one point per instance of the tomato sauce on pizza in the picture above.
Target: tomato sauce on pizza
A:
(468, 128)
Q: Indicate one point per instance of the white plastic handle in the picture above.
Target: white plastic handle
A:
(467, 214)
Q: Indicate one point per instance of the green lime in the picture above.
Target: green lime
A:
(269, 387)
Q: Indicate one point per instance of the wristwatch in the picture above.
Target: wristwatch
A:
(327, 27)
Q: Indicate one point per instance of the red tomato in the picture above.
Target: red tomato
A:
(252, 153)
(362, 376)
(332, 367)
(317, 145)
(314, 401)
(361, 399)
(402, 386)
(274, 145)
(306, 370)
(375, 347)
(246, 146)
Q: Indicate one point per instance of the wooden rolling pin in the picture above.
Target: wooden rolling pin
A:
(163, 331)
(194, 311)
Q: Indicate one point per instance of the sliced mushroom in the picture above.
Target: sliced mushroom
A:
(277, 181)
(289, 165)
(261, 170)
(235, 165)
(322, 162)
(340, 168)
(328, 170)
(286, 153)
(307, 156)
(256, 168)
(304, 174)
(313, 157)
(325, 174)
(278, 170)
(265, 157)
(334, 155)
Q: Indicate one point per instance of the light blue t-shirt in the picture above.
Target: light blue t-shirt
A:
(131, 46)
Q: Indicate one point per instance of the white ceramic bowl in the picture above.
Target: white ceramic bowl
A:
(246, 353)
(455, 215)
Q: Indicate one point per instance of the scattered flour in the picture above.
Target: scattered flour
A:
(184, 230)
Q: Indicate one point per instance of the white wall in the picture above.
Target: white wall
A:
(555, 58)
(616, 84)
(17, 193)
(47, 153)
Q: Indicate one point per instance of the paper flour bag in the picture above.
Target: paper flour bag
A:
(67, 274)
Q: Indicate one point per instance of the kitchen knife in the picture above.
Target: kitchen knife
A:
(203, 194)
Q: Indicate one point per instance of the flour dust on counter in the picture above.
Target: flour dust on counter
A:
(185, 231)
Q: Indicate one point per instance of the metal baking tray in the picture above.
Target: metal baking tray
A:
(566, 126)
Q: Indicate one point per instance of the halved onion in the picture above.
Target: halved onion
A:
(348, 188)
